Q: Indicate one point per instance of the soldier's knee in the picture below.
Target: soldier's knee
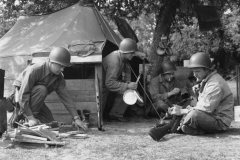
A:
(40, 89)
(194, 114)
(161, 104)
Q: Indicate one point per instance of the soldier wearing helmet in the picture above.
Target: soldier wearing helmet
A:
(213, 111)
(39, 80)
(116, 76)
(166, 87)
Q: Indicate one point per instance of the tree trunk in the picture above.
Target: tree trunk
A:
(163, 24)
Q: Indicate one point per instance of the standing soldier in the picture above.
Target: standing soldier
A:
(114, 66)
(39, 80)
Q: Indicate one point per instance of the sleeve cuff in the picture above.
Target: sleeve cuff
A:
(124, 88)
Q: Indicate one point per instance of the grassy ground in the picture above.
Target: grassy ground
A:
(122, 141)
(131, 141)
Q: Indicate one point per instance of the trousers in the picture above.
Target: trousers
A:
(119, 106)
(39, 109)
(204, 121)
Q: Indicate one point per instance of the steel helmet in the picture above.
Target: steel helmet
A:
(200, 59)
(167, 67)
(61, 56)
(128, 45)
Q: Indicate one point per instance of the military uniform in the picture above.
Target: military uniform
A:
(35, 83)
(159, 89)
(214, 109)
(116, 74)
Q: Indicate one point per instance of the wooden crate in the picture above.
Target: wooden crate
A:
(83, 93)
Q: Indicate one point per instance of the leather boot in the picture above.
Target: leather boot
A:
(84, 115)
(87, 113)
(16, 117)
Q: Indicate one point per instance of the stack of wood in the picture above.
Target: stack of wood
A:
(42, 134)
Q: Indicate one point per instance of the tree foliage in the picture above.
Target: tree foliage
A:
(150, 19)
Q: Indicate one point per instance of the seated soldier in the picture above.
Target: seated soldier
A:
(213, 111)
(166, 87)
(35, 83)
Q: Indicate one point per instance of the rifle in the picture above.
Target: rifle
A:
(160, 131)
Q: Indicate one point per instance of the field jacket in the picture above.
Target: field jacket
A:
(216, 99)
(159, 90)
(114, 67)
(40, 74)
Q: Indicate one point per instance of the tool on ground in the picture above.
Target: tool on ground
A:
(53, 124)
(37, 133)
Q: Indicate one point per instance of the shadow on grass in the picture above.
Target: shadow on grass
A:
(230, 133)
(171, 136)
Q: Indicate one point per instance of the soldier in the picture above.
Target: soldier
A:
(114, 66)
(39, 80)
(166, 87)
(213, 111)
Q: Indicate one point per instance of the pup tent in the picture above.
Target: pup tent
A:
(81, 29)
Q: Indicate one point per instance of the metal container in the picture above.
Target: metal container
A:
(2, 75)
(3, 116)
(237, 113)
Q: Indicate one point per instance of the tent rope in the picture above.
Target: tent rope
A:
(145, 92)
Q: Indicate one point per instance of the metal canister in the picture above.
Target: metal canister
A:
(237, 113)
(3, 116)
(2, 75)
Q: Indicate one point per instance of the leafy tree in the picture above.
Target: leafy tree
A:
(171, 16)
(168, 16)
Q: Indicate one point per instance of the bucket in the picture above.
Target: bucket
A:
(130, 97)
(237, 113)
(3, 116)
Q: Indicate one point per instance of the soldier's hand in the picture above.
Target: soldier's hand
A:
(32, 121)
(174, 91)
(140, 55)
(79, 123)
(176, 110)
(193, 101)
(132, 85)
(195, 89)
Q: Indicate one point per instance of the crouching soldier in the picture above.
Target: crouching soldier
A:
(114, 65)
(166, 88)
(36, 82)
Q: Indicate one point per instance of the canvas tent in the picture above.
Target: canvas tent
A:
(80, 28)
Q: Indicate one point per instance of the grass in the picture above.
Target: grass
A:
(131, 141)
(123, 141)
